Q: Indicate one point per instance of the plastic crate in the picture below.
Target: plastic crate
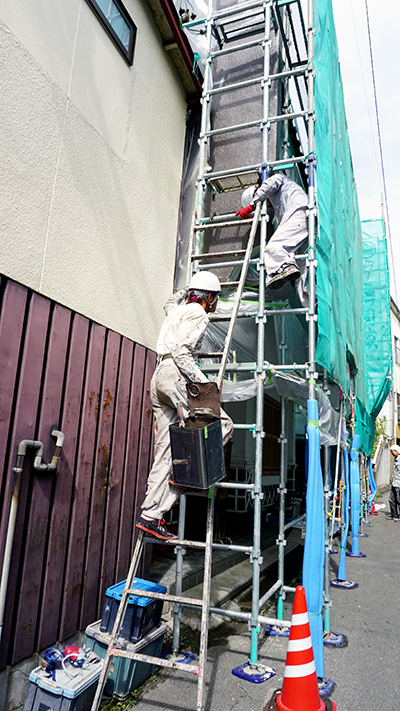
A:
(142, 613)
(127, 674)
(63, 694)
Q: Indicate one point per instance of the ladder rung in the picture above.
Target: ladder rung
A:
(253, 124)
(234, 263)
(157, 661)
(258, 80)
(165, 597)
(269, 312)
(248, 175)
(214, 255)
(215, 225)
(236, 48)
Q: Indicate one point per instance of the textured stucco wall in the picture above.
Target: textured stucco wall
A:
(91, 165)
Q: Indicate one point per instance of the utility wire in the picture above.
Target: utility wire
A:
(365, 86)
(381, 152)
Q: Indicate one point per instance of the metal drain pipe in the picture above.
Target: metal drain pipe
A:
(39, 466)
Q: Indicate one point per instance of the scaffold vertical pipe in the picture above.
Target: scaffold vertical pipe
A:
(282, 481)
(259, 434)
(327, 585)
(311, 203)
(198, 213)
(179, 574)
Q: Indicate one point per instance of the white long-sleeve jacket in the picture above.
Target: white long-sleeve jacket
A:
(182, 333)
(285, 195)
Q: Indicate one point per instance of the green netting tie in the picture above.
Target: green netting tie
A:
(195, 69)
(310, 247)
(210, 492)
(312, 382)
(269, 374)
(315, 423)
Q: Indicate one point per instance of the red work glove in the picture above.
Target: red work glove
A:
(245, 211)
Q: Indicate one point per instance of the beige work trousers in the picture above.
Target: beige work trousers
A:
(288, 239)
(168, 390)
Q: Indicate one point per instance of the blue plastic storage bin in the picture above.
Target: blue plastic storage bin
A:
(64, 693)
(142, 613)
(126, 674)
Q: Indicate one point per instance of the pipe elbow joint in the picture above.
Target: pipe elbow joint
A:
(60, 437)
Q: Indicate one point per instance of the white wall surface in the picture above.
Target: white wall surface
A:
(91, 165)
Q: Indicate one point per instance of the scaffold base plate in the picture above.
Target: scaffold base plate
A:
(364, 535)
(355, 555)
(333, 551)
(277, 631)
(347, 584)
(256, 674)
(325, 686)
(181, 657)
(367, 523)
(336, 639)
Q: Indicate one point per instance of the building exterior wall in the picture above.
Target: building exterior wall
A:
(383, 464)
(92, 164)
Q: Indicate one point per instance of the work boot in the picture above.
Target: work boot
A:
(156, 528)
(286, 273)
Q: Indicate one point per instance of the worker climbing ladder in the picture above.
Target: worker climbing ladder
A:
(234, 30)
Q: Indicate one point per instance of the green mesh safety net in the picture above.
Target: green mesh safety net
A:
(343, 256)
(377, 331)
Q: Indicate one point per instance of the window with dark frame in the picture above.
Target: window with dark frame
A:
(118, 24)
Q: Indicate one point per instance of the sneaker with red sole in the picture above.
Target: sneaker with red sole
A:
(156, 528)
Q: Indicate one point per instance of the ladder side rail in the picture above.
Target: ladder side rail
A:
(118, 622)
(229, 335)
(206, 600)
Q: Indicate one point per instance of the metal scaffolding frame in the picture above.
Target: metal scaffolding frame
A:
(227, 26)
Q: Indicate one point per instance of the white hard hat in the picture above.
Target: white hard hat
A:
(205, 281)
(395, 448)
(248, 194)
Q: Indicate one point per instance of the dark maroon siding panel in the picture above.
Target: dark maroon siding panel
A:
(116, 470)
(27, 398)
(30, 586)
(75, 529)
(75, 569)
(12, 314)
(58, 541)
(127, 510)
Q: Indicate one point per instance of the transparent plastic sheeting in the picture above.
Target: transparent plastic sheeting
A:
(292, 387)
(339, 245)
(376, 289)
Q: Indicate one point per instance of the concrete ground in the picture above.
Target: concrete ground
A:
(365, 670)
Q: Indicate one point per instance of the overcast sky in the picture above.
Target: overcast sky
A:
(354, 53)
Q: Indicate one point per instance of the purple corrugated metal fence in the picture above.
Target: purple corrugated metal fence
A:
(75, 530)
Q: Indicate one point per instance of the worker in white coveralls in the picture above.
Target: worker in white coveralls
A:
(290, 205)
(179, 339)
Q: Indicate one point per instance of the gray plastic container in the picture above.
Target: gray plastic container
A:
(127, 674)
(63, 694)
(197, 453)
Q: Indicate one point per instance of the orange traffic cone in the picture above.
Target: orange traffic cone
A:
(300, 684)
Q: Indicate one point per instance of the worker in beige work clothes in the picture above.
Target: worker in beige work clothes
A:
(290, 204)
(179, 339)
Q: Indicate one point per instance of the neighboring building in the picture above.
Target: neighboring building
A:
(383, 463)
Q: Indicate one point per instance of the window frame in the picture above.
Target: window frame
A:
(396, 350)
(126, 53)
